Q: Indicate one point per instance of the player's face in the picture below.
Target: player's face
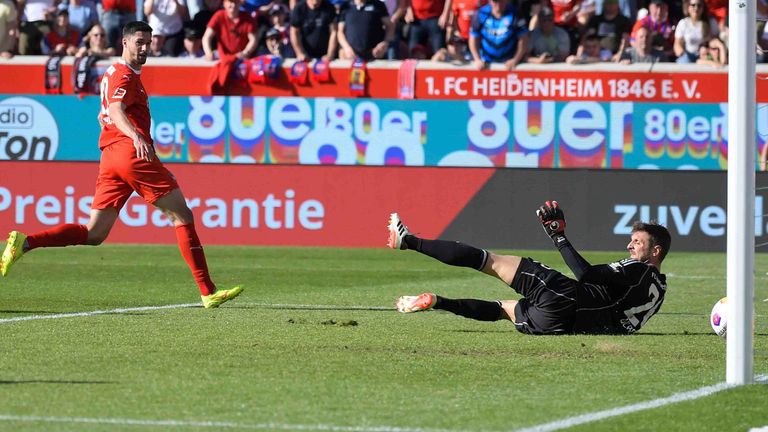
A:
(639, 246)
(136, 48)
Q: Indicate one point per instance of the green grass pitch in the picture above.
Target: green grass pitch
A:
(314, 343)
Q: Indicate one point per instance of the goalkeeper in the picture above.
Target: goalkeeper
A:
(615, 298)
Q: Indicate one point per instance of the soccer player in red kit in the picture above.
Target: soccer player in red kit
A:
(128, 163)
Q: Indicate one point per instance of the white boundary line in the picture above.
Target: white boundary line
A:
(640, 406)
(552, 426)
(183, 305)
(96, 312)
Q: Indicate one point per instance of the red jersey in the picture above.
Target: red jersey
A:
(425, 9)
(121, 83)
(464, 10)
(120, 5)
(561, 7)
(231, 36)
(717, 9)
(70, 38)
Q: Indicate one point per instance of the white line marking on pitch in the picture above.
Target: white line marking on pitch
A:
(640, 406)
(96, 312)
(179, 306)
(552, 426)
(216, 425)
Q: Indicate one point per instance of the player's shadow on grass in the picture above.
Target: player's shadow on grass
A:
(37, 312)
(683, 333)
(2, 382)
(315, 308)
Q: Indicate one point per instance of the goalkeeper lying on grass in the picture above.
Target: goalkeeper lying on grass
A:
(617, 298)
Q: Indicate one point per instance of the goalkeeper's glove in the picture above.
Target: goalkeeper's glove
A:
(552, 220)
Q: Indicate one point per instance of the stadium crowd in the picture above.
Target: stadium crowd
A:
(475, 32)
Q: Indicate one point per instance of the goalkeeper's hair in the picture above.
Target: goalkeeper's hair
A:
(134, 27)
(659, 235)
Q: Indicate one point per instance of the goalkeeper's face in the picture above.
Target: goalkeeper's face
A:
(641, 246)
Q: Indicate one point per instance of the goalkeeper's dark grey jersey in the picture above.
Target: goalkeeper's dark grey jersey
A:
(618, 297)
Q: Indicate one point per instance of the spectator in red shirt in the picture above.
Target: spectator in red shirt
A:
(719, 10)
(428, 19)
(235, 32)
(460, 20)
(63, 39)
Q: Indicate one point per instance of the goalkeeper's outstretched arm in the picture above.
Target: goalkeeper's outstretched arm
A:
(552, 220)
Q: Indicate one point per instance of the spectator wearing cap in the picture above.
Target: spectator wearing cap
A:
(611, 27)
(313, 30)
(278, 20)
(115, 15)
(498, 35)
(63, 39)
(193, 44)
(365, 30)
(234, 31)
(274, 44)
(549, 43)
(167, 17)
(95, 43)
(657, 22)
(82, 14)
(692, 30)
(427, 19)
(642, 50)
(8, 28)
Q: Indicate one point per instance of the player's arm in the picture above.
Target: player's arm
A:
(120, 119)
(552, 220)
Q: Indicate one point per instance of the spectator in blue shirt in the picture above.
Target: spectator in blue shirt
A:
(498, 35)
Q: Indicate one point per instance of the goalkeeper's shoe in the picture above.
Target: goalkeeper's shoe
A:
(14, 250)
(421, 302)
(216, 299)
(397, 232)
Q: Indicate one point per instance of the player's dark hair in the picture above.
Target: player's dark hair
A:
(134, 27)
(658, 233)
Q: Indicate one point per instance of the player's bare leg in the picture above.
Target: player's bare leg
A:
(100, 225)
(503, 267)
(175, 207)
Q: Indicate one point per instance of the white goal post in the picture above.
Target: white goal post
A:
(741, 191)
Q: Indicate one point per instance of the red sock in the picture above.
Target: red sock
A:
(193, 254)
(59, 236)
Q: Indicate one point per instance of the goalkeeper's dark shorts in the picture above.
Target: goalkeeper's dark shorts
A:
(549, 303)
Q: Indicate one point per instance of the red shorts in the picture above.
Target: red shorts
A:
(121, 173)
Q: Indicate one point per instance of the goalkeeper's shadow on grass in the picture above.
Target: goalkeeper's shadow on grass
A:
(315, 308)
(36, 312)
(68, 382)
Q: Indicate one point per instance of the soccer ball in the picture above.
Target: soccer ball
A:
(718, 317)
